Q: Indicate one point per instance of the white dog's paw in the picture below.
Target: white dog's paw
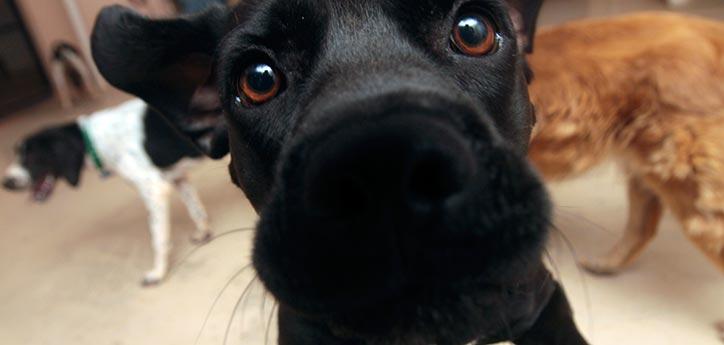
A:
(152, 278)
(201, 237)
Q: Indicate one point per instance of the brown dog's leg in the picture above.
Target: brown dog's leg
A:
(713, 247)
(645, 211)
(708, 236)
(555, 326)
(720, 329)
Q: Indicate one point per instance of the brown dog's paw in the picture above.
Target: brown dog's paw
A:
(201, 238)
(601, 267)
(720, 329)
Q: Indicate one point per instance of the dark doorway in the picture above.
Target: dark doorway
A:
(22, 80)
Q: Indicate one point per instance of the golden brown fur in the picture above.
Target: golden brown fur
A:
(648, 91)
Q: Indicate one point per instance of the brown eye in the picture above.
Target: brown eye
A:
(474, 35)
(259, 83)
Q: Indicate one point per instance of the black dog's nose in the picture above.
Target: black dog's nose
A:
(10, 184)
(401, 164)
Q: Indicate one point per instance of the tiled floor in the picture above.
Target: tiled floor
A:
(70, 269)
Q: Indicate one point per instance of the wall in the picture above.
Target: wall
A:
(47, 22)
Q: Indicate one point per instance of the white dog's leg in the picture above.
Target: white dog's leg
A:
(196, 210)
(156, 197)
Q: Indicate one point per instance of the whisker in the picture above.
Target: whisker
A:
(552, 262)
(264, 296)
(231, 319)
(269, 322)
(506, 324)
(236, 308)
(246, 296)
(560, 210)
(581, 275)
(188, 255)
(216, 300)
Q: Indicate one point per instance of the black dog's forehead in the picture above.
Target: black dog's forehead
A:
(277, 23)
(345, 50)
(400, 10)
(311, 40)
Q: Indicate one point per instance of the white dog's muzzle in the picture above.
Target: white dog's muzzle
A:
(16, 177)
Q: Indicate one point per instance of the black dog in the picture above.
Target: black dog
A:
(383, 143)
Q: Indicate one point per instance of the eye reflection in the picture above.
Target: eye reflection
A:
(260, 83)
(474, 35)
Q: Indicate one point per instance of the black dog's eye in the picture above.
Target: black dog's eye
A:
(474, 35)
(259, 83)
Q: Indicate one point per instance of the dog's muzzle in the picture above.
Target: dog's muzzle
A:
(16, 178)
(10, 184)
(403, 203)
(405, 164)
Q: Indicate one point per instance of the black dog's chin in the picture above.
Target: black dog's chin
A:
(475, 309)
(403, 238)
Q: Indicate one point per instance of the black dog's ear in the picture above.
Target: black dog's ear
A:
(167, 63)
(524, 14)
(204, 108)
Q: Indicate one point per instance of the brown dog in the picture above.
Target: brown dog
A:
(647, 90)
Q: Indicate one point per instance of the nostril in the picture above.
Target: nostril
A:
(435, 177)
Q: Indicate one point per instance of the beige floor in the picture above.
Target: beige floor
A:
(70, 269)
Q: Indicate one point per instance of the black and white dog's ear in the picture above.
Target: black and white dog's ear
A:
(524, 14)
(167, 63)
(71, 172)
(71, 164)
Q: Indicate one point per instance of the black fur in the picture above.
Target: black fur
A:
(396, 203)
(58, 151)
(163, 144)
(169, 65)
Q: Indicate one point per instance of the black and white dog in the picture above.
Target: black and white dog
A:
(130, 140)
(383, 143)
